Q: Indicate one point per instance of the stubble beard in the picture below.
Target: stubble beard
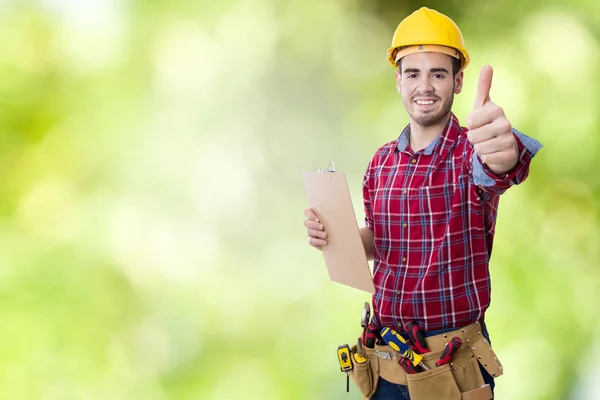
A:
(430, 118)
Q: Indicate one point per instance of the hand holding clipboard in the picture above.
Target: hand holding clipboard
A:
(345, 257)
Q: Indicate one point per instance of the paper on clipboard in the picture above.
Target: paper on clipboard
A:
(345, 257)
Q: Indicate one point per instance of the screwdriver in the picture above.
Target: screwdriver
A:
(408, 366)
(397, 342)
(360, 350)
(364, 322)
(416, 336)
(451, 348)
(371, 334)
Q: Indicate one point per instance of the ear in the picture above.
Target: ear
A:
(398, 79)
(458, 82)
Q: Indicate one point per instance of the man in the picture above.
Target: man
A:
(431, 196)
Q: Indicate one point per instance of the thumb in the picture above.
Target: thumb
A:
(483, 86)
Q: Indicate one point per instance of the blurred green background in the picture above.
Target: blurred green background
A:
(151, 205)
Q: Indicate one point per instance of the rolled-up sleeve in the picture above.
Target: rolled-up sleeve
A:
(490, 182)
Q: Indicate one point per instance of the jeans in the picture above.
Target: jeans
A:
(390, 391)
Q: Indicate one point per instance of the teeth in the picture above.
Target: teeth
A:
(424, 102)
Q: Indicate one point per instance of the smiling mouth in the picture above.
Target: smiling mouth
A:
(425, 102)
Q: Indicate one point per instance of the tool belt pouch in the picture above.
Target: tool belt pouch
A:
(364, 377)
(437, 383)
(461, 378)
(468, 373)
(468, 377)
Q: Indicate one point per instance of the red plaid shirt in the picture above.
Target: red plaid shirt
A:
(433, 214)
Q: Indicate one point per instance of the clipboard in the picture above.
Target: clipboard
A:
(345, 257)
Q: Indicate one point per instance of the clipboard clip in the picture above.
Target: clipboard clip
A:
(331, 168)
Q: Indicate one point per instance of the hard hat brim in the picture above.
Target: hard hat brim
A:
(396, 53)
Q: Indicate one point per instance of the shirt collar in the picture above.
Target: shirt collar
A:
(441, 144)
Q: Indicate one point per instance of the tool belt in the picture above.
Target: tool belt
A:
(461, 379)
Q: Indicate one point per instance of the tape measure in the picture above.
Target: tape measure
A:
(344, 358)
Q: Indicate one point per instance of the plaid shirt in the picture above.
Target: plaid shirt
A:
(433, 214)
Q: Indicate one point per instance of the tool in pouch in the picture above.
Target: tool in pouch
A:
(451, 348)
(366, 315)
(345, 359)
(408, 366)
(372, 336)
(345, 356)
(416, 336)
(364, 322)
(359, 356)
(397, 342)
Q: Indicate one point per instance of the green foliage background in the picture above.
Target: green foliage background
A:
(151, 238)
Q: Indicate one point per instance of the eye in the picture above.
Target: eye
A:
(438, 76)
(411, 76)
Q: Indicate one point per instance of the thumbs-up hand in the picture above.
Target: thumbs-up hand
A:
(490, 132)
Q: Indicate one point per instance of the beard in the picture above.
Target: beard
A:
(430, 118)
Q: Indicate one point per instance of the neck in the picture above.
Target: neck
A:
(421, 136)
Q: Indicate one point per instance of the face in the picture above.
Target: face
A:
(428, 87)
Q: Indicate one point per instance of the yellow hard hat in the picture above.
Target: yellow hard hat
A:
(428, 30)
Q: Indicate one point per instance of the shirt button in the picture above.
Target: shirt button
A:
(405, 191)
(397, 292)
(413, 161)
(405, 224)
(403, 259)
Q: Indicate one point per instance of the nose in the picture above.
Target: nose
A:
(425, 85)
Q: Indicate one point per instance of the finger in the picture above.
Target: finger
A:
(317, 242)
(311, 215)
(499, 157)
(481, 134)
(483, 86)
(484, 115)
(316, 234)
(498, 127)
(313, 225)
(493, 145)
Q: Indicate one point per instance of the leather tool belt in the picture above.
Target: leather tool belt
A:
(461, 379)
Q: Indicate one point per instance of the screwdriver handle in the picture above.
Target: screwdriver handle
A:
(416, 336)
(371, 335)
(451, 348)
(360, 350)
(408, 366)
(397, 342)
